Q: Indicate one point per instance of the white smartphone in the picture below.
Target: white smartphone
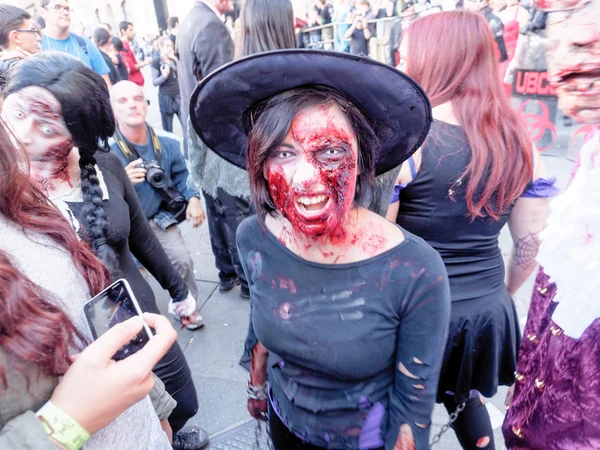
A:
(114, 305)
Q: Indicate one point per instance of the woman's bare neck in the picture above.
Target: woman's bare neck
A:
(57, 177)
(365, 235)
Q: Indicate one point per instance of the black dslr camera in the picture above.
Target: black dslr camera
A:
(174, 201)
(155, 175)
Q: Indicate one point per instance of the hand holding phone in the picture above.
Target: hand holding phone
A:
(114, 305)
(109, 387)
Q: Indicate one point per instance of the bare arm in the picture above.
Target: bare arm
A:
(526, 221)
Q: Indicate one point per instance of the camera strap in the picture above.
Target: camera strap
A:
(176, 206)
(130, 152)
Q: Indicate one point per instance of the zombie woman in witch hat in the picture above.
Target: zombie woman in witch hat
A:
(351, 311)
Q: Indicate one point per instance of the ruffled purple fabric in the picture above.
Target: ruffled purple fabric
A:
(555, 404)
(541, 188)
(396, 193)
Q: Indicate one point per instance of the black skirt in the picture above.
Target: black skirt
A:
(482, 349)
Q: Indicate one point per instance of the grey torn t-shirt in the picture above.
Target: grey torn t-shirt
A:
(338, 335)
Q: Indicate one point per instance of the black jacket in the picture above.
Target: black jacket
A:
(203, 44)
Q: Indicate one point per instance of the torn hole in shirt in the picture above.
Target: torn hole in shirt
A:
(402, 368)
(419, 386)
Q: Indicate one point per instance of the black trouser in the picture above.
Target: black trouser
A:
(169, 106)
(225, 213)
(175, 373)
(283, 438)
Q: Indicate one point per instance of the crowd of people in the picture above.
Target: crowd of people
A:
(357, 205)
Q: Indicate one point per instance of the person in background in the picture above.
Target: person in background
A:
(204, 45)
(62, 115)
(265, 25)
(164, 75)
(57, 37)
(341, 13)
(325, 10)
(128, 54)
(120, 64)
(19, 37)
(494, 22)
(47, 274)
(103, 41)
(554, 401)
(173, 23)
(360, 32)
(514, 11)
(136, 143)
(455, 194)
(107, 27)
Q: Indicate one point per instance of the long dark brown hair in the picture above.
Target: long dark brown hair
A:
(466, 74)
(265, 25)
(32, 329)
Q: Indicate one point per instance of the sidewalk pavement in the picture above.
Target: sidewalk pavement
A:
(213, 352)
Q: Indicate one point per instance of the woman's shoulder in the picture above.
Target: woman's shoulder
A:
(248, 231)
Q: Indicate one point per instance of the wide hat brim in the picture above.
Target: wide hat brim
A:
(396, 106)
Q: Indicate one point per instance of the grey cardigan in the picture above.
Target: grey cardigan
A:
(50, 267)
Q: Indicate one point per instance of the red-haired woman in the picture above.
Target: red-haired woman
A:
(46, 275)
(476, 171)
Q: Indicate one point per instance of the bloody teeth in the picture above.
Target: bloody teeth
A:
(312, 200)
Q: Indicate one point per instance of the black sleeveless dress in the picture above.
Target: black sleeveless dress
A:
(484, 335)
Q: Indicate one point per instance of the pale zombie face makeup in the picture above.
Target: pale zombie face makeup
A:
(34, 115)
(573, 57)
(312, 175)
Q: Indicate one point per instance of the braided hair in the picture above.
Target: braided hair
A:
(85, 103)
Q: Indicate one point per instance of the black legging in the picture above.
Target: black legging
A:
(283, 438)
(473, 427)
(175, 373)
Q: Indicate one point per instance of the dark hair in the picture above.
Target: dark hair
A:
(172, 21)
(11, 18)
(269, 122)
(85, 103)
(35, 330)
(117, 42)
(101, 36)
(123, 25)
(265, 25)
(44, 3)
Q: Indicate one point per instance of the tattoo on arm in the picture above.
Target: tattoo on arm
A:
(525, 251)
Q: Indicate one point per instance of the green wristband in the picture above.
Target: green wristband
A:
(61, 427)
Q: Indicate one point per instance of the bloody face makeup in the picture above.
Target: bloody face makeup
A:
(312, 175)
(35, 116)
(573, 57)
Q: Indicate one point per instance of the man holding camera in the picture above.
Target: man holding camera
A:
(158, 171)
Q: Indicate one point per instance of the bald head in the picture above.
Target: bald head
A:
(129, 104)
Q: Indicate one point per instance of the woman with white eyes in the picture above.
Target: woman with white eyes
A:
(60, 111)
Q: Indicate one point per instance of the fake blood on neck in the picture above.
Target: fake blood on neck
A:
(58, 155)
